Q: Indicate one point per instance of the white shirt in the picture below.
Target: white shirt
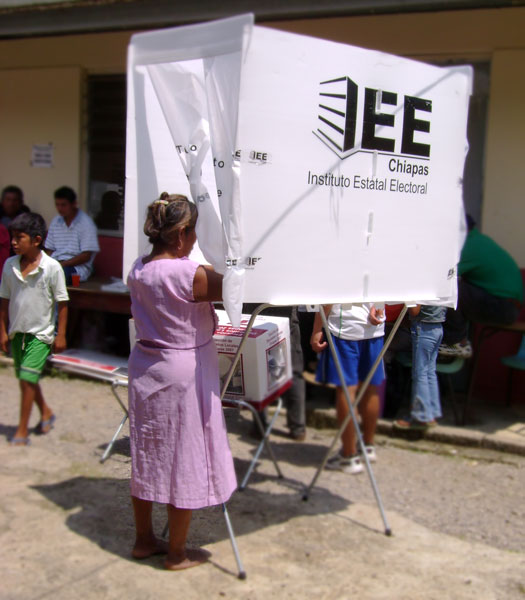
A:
(67, 242)
(350, 321)
(32, 300)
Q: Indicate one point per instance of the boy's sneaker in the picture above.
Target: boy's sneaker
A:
(462, 350)
(347, 464)
(371, 453)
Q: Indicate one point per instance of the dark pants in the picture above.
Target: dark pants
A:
(475, 304)
(68, 271)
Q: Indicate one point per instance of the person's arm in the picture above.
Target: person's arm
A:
(79, 259)
(4, 320)
(413, 311)
(376, 316)
(317, 339)
(207, 285)
(60, 338)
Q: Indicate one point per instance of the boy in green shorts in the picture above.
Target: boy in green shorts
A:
(32, 282)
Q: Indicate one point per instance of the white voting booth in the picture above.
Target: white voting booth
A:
(322, 172)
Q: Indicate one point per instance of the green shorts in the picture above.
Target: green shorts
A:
(29, 355)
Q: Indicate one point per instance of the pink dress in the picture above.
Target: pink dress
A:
(179, 447)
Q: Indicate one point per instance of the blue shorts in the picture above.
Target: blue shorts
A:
(357, 358)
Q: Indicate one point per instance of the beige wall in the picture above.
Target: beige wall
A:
(40, 106)
(504, 198)
(492, 35)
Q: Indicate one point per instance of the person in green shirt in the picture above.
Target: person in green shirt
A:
(490, 290)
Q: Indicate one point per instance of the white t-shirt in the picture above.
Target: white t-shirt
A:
(350, 321)
(32, 300)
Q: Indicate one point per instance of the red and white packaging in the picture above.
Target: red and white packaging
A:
(264, 370)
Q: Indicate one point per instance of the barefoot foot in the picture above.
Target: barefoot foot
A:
(192, 557)
(143, 550)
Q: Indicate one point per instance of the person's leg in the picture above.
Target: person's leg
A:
(27, 397)
(369, 405)
(179, 557)
(146, 544)
(30, 355)
(294, 400)
(433, 383)
(475, 304)
(295, 397)
(348, 437)
(306, 323)
(422, 350)
(46, 414)
(369, 411)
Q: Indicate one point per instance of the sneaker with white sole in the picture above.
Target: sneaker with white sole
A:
(461, 350)
(371, 453)
(346, 464)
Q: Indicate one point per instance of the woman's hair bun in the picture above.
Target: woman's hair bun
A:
(167, 216)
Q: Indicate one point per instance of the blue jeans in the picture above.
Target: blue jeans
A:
(426, 338)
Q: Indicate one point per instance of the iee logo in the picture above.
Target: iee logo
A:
(338, 114)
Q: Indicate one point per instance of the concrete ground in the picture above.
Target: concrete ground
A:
(66, 529)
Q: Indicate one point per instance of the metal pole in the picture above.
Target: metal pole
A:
(351, 411)
(242, 572)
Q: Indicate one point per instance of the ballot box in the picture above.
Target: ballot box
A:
(264, 369)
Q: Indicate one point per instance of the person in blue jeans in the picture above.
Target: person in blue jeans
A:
(426, 330)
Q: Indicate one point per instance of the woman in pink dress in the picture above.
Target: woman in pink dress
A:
(180, 454)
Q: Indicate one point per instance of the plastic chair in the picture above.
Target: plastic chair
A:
(442, 368)
(516, 361)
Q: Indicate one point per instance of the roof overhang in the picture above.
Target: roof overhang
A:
(23, 18)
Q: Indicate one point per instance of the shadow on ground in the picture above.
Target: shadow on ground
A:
(101, 511)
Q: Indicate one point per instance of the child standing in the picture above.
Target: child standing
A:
(357, 332)
(426, 330)
(180, 454)
(32, 282)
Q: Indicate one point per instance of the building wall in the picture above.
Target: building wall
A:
(504, 197)
(40, 106)
(495, 35)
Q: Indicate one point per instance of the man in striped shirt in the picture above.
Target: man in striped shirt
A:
(72, 237)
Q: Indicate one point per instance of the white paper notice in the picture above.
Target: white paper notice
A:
(42, 155)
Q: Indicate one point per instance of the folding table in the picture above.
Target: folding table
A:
(254, 408)
(113, 369)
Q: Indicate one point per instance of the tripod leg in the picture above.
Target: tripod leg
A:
(242, 572)
(352, 415)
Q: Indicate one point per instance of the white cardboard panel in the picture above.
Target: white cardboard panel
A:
(310, 209)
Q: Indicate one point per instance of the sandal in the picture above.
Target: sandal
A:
(20, 441)
(45, 426)
(412, 425)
